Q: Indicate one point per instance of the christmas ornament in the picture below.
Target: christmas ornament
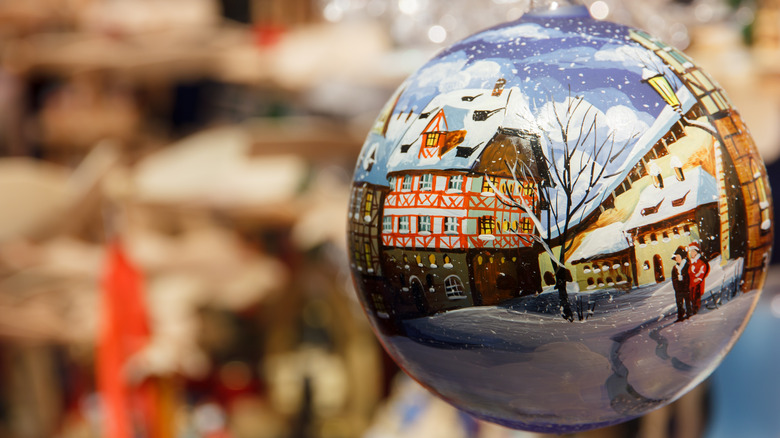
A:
(559, 223)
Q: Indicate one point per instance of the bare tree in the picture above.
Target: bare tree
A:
(577, 159)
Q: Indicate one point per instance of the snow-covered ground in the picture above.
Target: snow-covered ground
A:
(534, 367)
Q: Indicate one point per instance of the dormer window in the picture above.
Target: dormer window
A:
(680, 201)
(677, 167)
(655, 172)
(651, 210)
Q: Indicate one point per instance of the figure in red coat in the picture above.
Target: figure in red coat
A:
(698, 271)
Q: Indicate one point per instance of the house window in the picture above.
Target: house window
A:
(515, 224)
(367, 205)
(666, 236)
(509, 188)
(423, 224)
(687, 230)
(447, 261)
(432, 139)
(763, 200)
(487, 225)
(586, 269)
(455, 182)
(369, 259)
(641, 240)
(676, 232)
(358, 204)
(403, 224)
(387, 223)
(432, 260)
(651, 210)
(450, 225)
(392, 181)
(680, 201)
(529, 189)
(426, 182)
(453, 287)
(646, 265)
(653, 239)
(406, 185)
(486, 184)
(418, 260)
(506, 226)
(379, 306)
(526, 225)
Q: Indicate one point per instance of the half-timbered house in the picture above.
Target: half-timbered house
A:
(447, 238)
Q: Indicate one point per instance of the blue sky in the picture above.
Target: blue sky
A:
(543, 57)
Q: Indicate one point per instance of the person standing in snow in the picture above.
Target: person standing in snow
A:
(681, 281)
(698, 271)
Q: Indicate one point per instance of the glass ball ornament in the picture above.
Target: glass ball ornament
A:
(559, 223)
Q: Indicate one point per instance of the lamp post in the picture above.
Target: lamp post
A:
(662, 86)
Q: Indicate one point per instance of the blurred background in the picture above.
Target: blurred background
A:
(174, 181)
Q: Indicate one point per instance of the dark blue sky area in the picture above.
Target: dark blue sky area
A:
(544, 57)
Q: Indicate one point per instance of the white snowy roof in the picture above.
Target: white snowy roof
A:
(459, 107)
(698, 188)
(608, 239)
(663, 123)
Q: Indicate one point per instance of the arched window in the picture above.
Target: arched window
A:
(586, 269)
(432, 260)
(453, 287)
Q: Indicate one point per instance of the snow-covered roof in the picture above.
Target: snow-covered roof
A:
(459, 107)
(663, 123)
(698, 188)
(608, 239)
(383, 146)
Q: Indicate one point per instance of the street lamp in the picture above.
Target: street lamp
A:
(662, 86)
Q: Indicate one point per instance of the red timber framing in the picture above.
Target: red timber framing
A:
(434, 136)
(448, 213)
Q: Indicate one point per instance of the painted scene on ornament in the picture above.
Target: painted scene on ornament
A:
(559, 198)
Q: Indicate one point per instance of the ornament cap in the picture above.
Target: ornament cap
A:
(558, 8)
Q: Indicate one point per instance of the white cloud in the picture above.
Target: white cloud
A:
(624, 123)
(438, 72)
(480, 70)
(632, 57)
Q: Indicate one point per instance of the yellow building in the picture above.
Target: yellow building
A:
(671, 215)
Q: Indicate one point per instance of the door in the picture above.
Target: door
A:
(658, 266)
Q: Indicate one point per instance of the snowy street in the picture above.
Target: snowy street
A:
(630, 353)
